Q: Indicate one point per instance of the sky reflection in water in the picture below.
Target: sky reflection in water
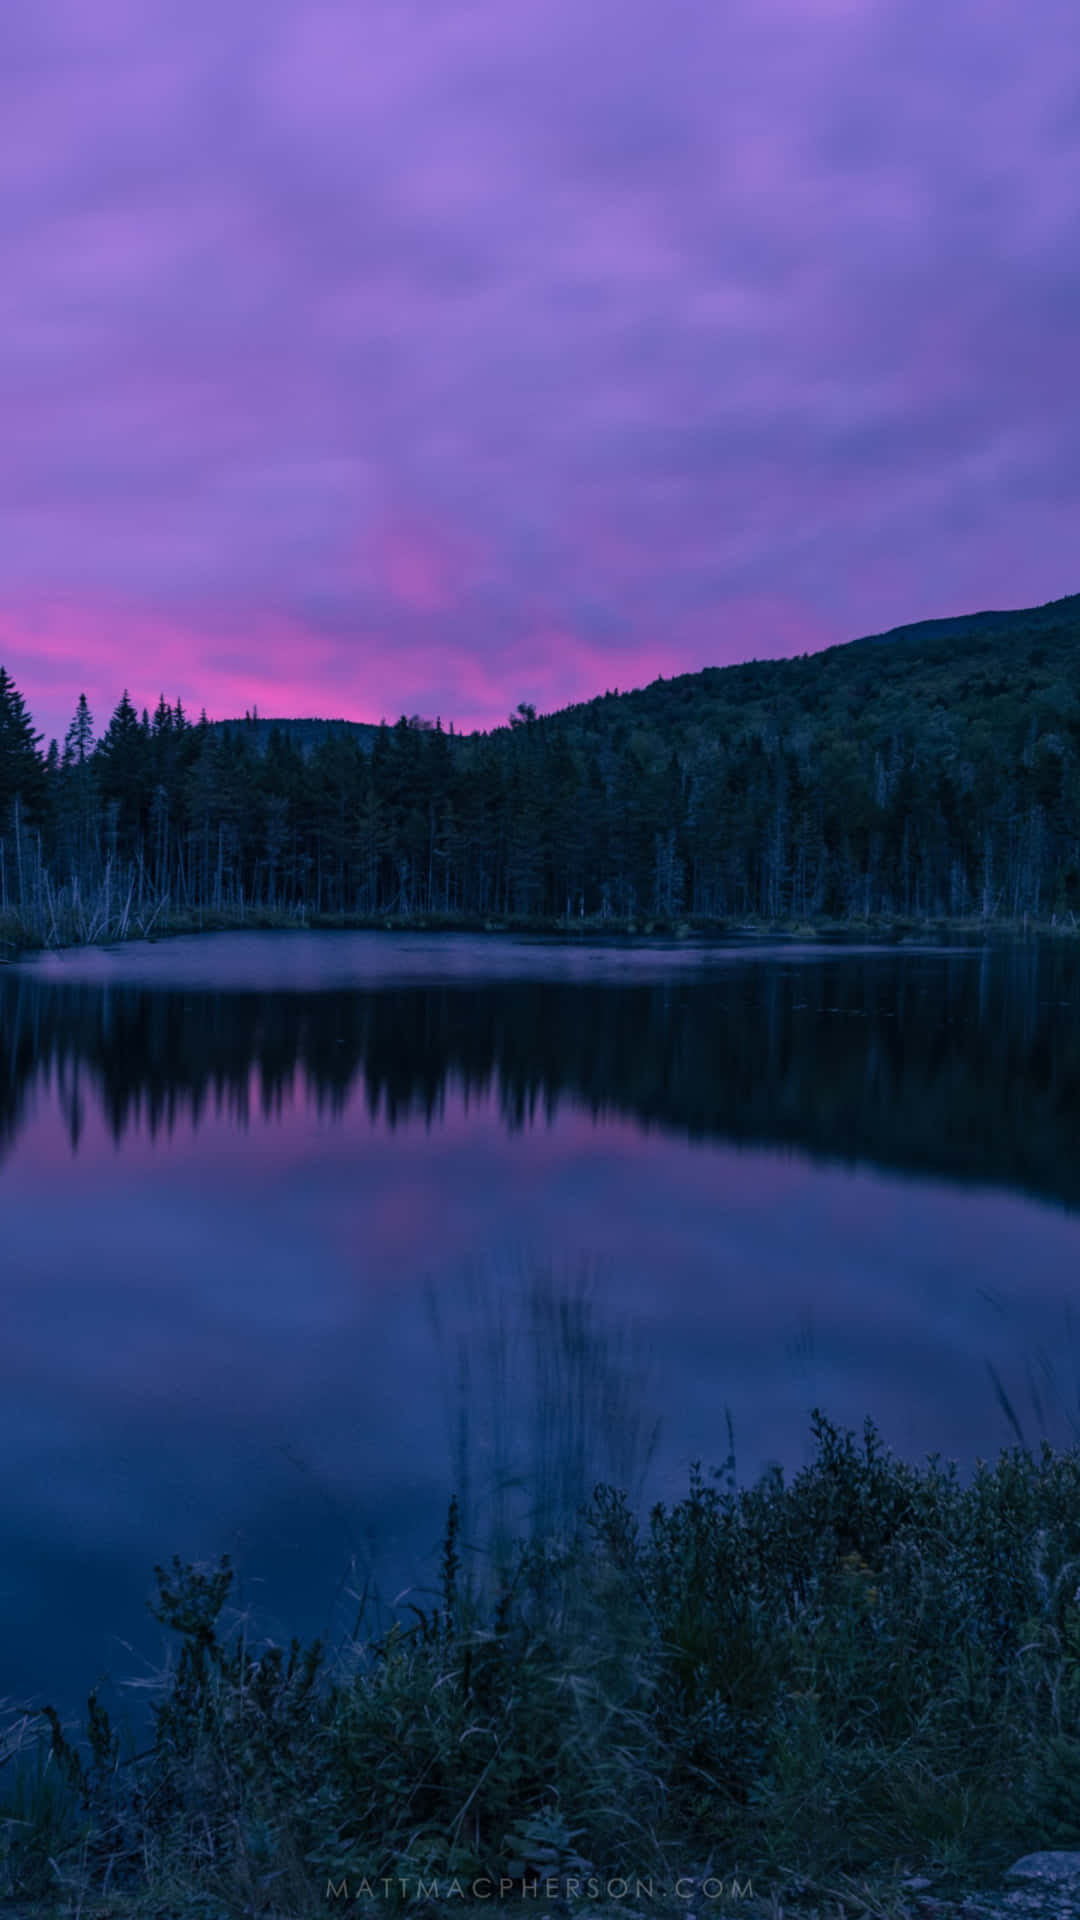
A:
(316, 1177)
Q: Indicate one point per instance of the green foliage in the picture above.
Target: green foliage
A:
(41, 1817)
(873, 1663)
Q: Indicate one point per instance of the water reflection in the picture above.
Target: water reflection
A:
(286, 1260)
(547, 1394)
(965, 1065)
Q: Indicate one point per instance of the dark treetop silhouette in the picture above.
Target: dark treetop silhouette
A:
(932, 772)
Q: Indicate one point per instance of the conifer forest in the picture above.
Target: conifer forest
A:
(930, 773)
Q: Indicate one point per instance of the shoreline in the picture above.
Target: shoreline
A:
(15, 944)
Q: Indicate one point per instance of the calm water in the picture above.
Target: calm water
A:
(298, 1232)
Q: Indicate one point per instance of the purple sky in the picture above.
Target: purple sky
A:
(372, 357)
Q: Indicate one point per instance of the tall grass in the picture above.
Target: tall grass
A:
(872, 1667)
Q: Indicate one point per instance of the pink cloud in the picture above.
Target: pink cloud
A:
(364, 364)
(420, 566)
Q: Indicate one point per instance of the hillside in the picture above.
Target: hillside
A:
(981, 674)
(931, 773)
(977, 679)
(1020, 621)
(936, 659)
(307, 735)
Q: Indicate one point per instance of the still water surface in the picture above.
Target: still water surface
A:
(299, 1232)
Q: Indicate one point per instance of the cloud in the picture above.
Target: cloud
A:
(386, 358)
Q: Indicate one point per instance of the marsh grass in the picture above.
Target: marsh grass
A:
(874, 1668)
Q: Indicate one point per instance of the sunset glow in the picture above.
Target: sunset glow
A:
(366, 360)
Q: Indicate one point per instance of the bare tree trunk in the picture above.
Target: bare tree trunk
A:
(18, 847)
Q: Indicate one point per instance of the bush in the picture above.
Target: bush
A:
(873, 1667)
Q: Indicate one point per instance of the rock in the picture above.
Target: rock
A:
(1054, 1869)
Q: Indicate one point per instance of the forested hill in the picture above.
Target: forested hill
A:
(1025, 622)
(931, 773)
(305, 734)
(936, 661)
(990, 672)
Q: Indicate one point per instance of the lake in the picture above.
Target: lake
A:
(299, 1233)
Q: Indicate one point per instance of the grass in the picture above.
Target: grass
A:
(870, 1671)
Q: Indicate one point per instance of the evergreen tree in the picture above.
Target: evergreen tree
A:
(79, 738)
(937, 775)
(122, 765)
(22, 770)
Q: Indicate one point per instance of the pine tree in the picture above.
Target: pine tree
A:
(121, 763)
(79, 738)
(22, 770)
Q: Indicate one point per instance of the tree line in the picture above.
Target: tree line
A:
(934, 774)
